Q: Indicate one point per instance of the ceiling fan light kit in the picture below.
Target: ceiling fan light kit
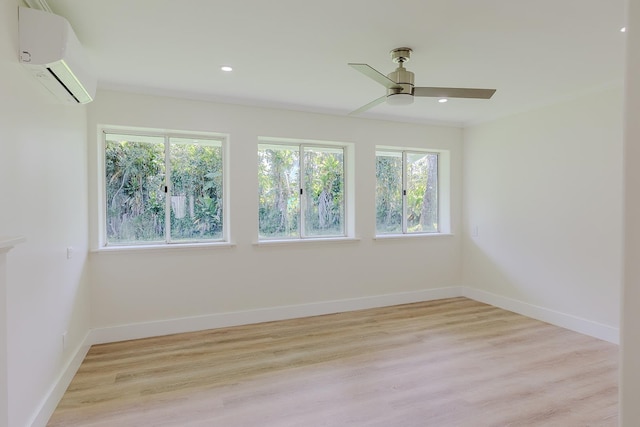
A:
(400, 84)
(399, 99)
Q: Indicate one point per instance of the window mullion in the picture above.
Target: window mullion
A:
(167, 194)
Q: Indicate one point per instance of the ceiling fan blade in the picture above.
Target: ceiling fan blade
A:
(369, 105)
(374, 74)
(453, 92)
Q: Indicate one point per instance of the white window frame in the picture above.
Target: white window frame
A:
(443, 191)
(219, 138)
(348, 177)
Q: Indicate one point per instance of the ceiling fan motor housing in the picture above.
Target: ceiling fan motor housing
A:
(403, 78)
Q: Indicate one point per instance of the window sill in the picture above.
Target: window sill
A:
(387, 237)
(286, 242)
(164, 248)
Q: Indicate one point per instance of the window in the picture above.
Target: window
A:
(162, 189)
(406, 192)
(301, 191)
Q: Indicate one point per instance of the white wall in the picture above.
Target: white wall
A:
(141, 286)
(44, 198)
(630, 345)
(544, 190)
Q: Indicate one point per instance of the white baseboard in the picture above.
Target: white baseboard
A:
(221, 320)
(49, 403)
(574, 323)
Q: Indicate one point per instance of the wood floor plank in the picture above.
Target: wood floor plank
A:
(453, 362)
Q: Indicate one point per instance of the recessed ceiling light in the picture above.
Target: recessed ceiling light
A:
(442, 100)
(226, 68)
(623, 29)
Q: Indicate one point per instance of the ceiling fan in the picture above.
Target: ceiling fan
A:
(399, 84)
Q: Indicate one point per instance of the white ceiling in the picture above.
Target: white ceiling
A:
(293, 53)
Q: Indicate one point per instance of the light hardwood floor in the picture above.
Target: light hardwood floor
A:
(453, 362)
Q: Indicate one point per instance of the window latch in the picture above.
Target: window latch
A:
(301, 191)
(166, 188)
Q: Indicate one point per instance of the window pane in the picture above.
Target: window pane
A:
(135, 197)
(323, 191)
(422, 192)
(196, 189)
(388, 192)
(278, 191)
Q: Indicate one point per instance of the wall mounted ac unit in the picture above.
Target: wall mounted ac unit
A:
(51, 50)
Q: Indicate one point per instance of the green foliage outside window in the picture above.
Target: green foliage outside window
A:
(278, 192)
(136, 202)
(389, 193)
(283, 211)
(155, 197)
(406, 192)
(324, 192)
